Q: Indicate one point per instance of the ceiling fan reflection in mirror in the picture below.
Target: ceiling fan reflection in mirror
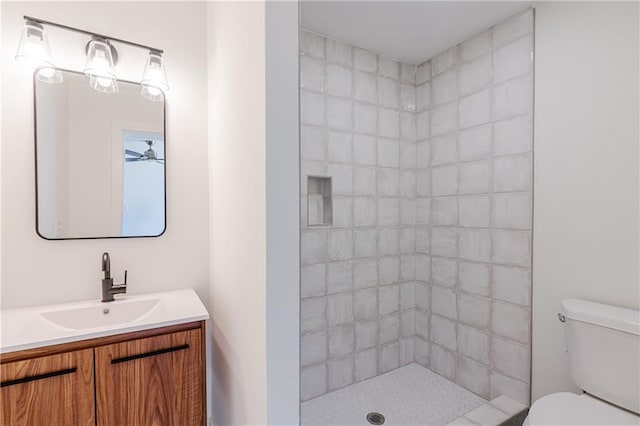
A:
(149, 154)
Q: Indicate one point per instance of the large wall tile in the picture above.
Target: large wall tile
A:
(443, 302)
(444, 241)
(511, 321)
(474, 278)
(474, 344)
(339, 277)
(364, 86)
(313, 348)
(513, 136)
(513, 59)
(366, 364)
(443, 362)
(512, 284)
(475, 143)
(341, 340)
(474, 47)
(339, 80)
(474, 177)
(312, 44)
(475, 75)
(339, 309)
(388, 357)
(444, 271)
(365, 304)
(473, 376)
(475, 109)
(475, 244)
(513, 28)
(474, 311)
(444, 150)
(443, 332)
(340, 372)
(444, 211)
(365, 60)
(512, 173)
(444, 180)
(511, 247)
(338, 52)
(313, 381)
(474, 211)
(444, 87)
(513, 97)
(510, 358)
(511, 211)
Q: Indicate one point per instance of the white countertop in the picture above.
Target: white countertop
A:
(34, 327)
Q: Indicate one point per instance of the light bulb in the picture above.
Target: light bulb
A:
(47, 72)
(104, 81)
(154, 91)
(34, 50)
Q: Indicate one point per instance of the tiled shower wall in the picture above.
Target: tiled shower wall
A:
(478, 127)
(428, 255)
(358, 127)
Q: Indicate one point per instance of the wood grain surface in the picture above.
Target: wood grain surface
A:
(50, 390)
(153, 381)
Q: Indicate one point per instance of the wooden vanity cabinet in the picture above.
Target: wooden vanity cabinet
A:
(151, 377)
(49, 390)
(155, 381)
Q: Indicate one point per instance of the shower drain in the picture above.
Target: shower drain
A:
(375, 418)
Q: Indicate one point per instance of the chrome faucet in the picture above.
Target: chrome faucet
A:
(108, 289)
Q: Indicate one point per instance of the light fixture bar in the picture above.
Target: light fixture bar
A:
(78, 30)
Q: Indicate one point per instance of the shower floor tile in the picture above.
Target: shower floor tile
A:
(411, 395)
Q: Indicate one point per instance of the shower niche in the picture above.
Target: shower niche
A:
(319, 209)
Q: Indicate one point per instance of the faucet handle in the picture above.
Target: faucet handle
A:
(124, 284)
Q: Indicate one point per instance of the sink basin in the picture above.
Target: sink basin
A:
(101, 316)
(28, 328)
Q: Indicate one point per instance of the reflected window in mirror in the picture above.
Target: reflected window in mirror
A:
(143, 200)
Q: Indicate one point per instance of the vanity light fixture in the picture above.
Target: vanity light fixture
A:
(154, 79)
(100, 66)
(34, 48)
(102, 57)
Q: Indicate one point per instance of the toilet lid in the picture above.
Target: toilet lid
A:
(567, 408)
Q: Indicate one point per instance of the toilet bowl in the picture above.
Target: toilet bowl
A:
(566, 408)
(603, 344)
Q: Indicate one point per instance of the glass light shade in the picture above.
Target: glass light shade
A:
(100, 66)
(34, 46)
(103, 84)
(154, 79)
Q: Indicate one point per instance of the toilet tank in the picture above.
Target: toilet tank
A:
(603, 343)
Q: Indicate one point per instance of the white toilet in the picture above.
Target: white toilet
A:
(603, 343)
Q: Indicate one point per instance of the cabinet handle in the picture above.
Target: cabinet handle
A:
(148, 354)
(38, 377)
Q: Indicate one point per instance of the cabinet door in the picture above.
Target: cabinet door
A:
(152, 381)
(49, 390)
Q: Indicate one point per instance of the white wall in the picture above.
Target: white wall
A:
(36, 271)
(254, 240)
(586, 170)
(283, 218)
(237, 199)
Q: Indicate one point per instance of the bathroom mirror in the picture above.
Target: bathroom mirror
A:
(100, 161)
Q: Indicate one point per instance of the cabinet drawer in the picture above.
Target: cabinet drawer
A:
(151, 381)
(49, 390)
